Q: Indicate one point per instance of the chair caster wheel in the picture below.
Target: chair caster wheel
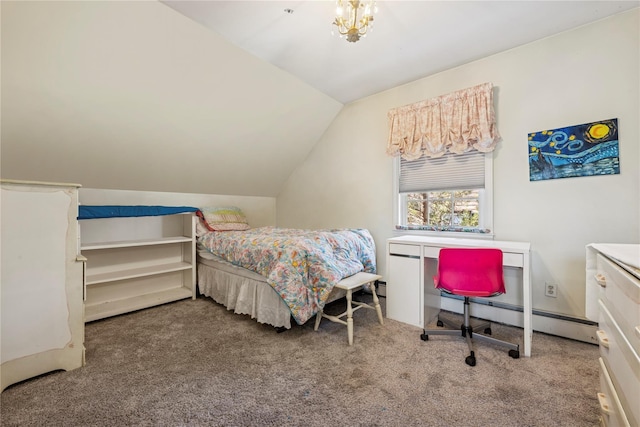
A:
(424, 337)
(487, 331)
(439, 323)
(514, 353)
(470, 360)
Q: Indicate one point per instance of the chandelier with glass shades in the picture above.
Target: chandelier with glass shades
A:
(347, 20)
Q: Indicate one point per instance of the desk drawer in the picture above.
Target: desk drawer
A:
(513, 260)
(508, 259)
(431, 252)
(623, 363)
(401, 249)
(620, 292)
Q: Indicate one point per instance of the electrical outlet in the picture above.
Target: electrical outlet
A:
(551, 289)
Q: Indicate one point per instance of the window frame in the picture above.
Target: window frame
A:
(485, 200)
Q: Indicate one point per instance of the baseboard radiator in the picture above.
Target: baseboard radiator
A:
(543, 321)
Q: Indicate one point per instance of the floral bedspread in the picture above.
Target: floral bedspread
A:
(301, 265)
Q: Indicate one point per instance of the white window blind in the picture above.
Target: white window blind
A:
(449, 172)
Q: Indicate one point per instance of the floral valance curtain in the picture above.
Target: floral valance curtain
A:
(457, 122)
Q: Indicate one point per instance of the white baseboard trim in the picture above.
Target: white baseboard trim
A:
(548, 323)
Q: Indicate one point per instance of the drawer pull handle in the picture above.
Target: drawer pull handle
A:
(604, 403)
(601, 280)
(602, 338)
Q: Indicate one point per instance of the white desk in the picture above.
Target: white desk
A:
(410, 301)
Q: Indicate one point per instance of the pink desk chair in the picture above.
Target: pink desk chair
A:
(470, 272)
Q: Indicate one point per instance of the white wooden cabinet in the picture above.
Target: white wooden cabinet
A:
(137, 262)
(42, 280)
(613, 299)
(404, 293)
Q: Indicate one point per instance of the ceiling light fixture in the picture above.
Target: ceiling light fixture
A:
(347, 18)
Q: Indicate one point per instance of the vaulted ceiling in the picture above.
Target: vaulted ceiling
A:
(410, 39)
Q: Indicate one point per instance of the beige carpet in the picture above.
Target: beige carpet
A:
(193, 363)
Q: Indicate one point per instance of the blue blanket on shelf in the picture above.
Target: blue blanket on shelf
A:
(114, 211)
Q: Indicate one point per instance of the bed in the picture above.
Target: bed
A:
(277, 274)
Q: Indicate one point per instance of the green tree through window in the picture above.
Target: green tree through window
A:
(444, 208)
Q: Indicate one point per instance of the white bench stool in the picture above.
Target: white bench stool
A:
(350, 284)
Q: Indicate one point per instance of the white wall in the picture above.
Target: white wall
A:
(587, 74)
(260, 211)
(133, 95)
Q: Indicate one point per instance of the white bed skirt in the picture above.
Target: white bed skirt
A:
(245, 291)
(242, 294)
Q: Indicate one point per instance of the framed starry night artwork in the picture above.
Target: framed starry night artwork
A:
(582, 150)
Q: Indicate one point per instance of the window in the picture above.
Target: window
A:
(447, 183)
(449, 193)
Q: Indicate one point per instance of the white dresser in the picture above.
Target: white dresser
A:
(613, 300)
(42, 280)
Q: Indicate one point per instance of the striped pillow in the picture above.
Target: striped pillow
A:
(224, 219)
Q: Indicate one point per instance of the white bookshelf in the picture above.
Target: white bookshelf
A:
(137, 262)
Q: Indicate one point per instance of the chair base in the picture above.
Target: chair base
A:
(470, 333)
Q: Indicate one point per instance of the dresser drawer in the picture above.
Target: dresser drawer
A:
(622, 362)
(621, 295)
(611, 411)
